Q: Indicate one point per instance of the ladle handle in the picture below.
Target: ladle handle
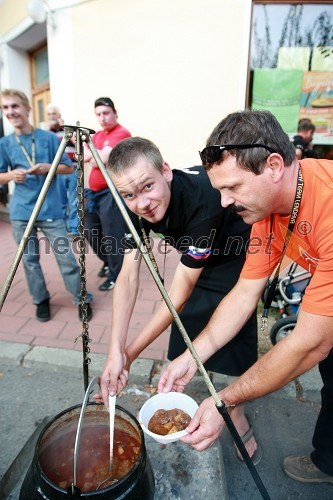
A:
(94, 381)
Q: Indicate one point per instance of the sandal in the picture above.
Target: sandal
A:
(257, 455)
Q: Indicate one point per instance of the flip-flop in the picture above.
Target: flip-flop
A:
(257, 455)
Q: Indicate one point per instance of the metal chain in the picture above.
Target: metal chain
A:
(82, 250)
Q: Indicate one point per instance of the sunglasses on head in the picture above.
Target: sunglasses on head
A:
(213, 154)
(103, 103)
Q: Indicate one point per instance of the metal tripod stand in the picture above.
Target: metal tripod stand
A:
(83, 136)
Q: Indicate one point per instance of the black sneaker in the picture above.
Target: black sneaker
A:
(89, 312)
(107, 285)
(43, 311)
(103, 271)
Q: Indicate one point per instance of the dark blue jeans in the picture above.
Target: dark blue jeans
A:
(104, 229)
(68, 197)
(57, 240)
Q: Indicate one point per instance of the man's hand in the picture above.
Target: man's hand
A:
(205, 427)
(178, 373)
(87, 154)
(19, 175)
(115, 375)
(39, 169)
(103, 154)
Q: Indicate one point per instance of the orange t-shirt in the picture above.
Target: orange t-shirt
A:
(311, 244)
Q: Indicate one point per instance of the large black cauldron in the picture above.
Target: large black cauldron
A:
(137, 484)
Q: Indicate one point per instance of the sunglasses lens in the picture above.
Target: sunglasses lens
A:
(211, 154)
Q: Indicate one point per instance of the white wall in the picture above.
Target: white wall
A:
(174, 68)
(14, 73)
(61, 64)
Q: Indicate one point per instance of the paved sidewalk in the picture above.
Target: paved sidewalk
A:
(18, 323)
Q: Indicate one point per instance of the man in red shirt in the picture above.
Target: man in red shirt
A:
(103, 220)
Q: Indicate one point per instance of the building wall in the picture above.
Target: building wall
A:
(12, 13)
(174, 68)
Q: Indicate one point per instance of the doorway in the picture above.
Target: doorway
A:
(40, 84)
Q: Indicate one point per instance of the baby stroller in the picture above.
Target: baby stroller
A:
(287, 299)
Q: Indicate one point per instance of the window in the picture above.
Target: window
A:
(41, 68)
(291, 64)
(40, 84)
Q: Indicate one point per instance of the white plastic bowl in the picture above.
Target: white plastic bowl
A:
(166, 401)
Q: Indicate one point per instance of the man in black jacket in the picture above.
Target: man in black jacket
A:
(302, 141)
(182, 207)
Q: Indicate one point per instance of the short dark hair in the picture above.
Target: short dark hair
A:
(105, 101)
(128, 151)
(251, 126)
(304, 125)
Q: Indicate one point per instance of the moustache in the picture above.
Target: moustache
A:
(237, 208)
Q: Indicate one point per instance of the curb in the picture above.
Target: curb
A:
(28, 356)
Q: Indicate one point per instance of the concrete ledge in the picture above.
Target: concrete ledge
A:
(13, 352)
(143, 371)
(61, 358)
(29, 356)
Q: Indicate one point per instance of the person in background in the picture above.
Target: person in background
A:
(253, 164)
(102, 217)
(181, 207)
(303, 140)
(26, 156)
(67, 182)
(4, 194)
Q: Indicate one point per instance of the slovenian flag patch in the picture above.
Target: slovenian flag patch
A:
(199, 253)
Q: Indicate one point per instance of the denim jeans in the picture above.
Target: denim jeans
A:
(104, 229)
(57, 239)
(68, 198)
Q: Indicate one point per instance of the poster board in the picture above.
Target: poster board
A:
(317, 104)
(278, 91)
(294, 94)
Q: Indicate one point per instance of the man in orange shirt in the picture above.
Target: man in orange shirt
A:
(251, 161)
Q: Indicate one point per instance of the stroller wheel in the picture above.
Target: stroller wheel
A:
(282, 328)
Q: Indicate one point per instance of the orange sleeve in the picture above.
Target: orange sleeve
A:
(262, 255)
